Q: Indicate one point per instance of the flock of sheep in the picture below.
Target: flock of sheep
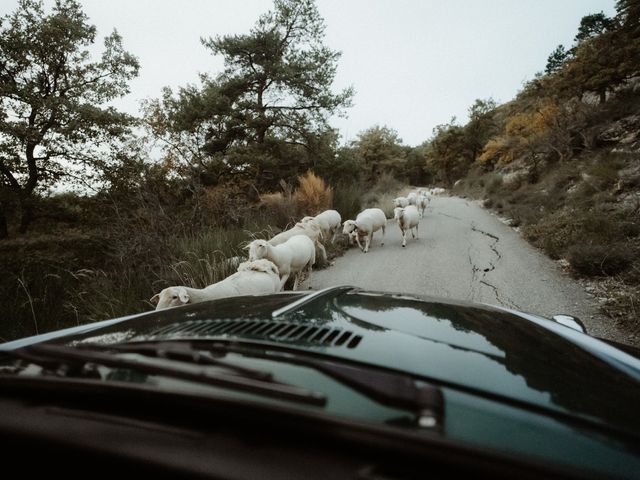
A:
(288, 254)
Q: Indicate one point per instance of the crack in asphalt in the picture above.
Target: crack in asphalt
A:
(474, 272)
(493, 248)
(492, 266)
(504, 303)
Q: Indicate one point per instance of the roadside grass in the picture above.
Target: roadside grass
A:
(75, 277)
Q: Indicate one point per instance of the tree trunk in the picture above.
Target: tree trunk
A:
(4, 229)
(26, 214)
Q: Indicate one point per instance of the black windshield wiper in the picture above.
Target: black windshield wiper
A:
(393, 389)
(67, 360)
(180, 351)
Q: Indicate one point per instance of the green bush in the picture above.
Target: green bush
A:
(494, 183)
(599, 260)
(347, 199)
(556, 232)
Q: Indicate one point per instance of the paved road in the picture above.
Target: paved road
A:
(464, 252)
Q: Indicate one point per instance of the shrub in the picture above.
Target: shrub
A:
(603, 174)
(386, 183)
(557, 232)
(313, 195)
(347, 199)
(273, 209)
(598, 260)
(494, 183)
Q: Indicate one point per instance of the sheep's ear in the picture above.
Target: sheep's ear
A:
(247, 246)
(155, 299)
(183, 296)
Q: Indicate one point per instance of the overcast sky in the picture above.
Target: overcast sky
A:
(414, 64)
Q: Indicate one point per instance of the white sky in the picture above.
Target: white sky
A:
(413, 63)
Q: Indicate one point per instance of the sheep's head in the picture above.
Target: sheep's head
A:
(397, 213)
(170, 297)
(398, 201)
(348, 226)
(307, 219)
(258, 249)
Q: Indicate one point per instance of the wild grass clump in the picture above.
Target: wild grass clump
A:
(313, 195)
(621, 301)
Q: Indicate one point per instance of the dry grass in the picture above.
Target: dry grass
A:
(313, 194)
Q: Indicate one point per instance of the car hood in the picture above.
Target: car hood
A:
(516, 358)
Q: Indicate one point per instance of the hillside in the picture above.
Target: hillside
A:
(561, 161)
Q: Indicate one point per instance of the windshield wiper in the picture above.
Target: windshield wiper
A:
(393, 389)
(180, 351)
(69, 361)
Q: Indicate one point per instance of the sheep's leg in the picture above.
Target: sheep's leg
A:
(383, 228)
(309, 274)
(283, 280)
(404, 238)
(358, 240)
(413, 235)
(323, 252)
(368, 242)
(417, 226)
(295, 281)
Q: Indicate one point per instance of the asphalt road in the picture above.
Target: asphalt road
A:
(464, 252)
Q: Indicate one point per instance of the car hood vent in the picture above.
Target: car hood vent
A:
(262, 329)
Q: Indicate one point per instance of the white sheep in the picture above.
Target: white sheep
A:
(252, 278)
(421, 204)
(400, 202)
(309, 229)
(408, 219)
(366, 223)
(412, 198)
(329, 222)
(291, 257)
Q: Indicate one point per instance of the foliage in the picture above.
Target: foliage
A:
(265, 117)
(533, 136)
(481, 127)
(598, 260)
(448, 155)
(556, 60)
(347, 198)
(604, 56)
(378, 149)
(53, 121)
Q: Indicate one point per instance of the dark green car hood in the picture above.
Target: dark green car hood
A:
(516, 358)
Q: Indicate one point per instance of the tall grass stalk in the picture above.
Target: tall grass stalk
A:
(30, 300)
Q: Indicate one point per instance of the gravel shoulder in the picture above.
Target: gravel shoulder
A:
(464, 252)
